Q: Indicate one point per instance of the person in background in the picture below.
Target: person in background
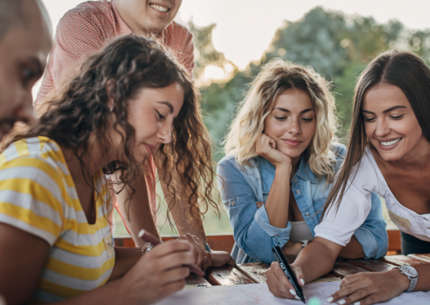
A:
(25, 41)
(389, 153)
(55, 236)
(84, 30)
(281, 158)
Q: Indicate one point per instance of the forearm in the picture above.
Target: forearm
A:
(125, 259)
(353, 250)
(423, 283)
(317, 258)
(114, 293)
(277, 203)
(136, 212)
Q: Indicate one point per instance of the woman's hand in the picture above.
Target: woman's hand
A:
(370, 288)
(198, 249)
(266, 147)
(279, 284)
(159, 273)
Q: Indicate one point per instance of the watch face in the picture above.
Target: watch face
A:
(409, 271)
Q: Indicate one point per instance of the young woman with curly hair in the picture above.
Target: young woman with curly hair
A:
(281, 158)
(128, 99)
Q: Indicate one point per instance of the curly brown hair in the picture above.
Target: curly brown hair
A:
(133, 63)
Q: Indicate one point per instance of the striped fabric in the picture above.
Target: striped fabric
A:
(38, 196)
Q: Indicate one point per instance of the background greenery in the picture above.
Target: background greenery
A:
(336, 45)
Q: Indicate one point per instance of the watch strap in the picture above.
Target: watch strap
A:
(413, 279)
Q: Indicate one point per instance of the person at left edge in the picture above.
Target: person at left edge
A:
(25, 41)
(85, 29)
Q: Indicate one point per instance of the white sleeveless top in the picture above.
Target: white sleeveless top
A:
(356, 204)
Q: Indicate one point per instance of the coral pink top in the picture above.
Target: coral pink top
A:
(84, 30)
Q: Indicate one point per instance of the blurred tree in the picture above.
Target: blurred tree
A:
(335, 45)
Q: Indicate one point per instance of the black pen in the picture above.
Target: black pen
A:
(288, 271)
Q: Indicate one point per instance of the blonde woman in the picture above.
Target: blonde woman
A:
(280, 161)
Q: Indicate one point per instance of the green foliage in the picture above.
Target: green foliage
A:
(335, 45)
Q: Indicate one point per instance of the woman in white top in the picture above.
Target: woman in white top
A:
(389, 153)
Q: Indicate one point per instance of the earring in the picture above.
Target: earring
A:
(111, 108)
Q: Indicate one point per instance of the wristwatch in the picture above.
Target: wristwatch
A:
(411, 274)
(207, 248)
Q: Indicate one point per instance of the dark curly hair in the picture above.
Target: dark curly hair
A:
(133, 63)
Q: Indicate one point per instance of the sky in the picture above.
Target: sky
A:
(245, 28)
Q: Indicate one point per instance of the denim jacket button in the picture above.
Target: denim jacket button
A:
(295, 180)
(233, 203)
(307, 214)
(298, 192)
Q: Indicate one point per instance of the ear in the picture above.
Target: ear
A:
(110, 90)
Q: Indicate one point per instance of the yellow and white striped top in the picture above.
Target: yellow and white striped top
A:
(38, 196)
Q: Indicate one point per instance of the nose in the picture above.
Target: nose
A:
(165, 134)
(294, 127)
(382, 128)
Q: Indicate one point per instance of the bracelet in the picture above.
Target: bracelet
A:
(145, 248)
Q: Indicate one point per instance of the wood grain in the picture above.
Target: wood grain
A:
(422, 257)
(227, 275)
(342, 269)
(401, 259)
(371, 265)
(255, 271)
(197, 281)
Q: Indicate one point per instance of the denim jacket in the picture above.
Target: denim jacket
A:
(254, 236)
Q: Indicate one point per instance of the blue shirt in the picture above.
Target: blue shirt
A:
(241, 187)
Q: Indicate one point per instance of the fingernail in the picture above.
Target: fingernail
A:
(297, 297)
(302, 281)
(293, 292)
(341, 302)
(330, 299)
(357, 303)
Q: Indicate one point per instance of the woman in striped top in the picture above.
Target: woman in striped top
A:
(56, 243)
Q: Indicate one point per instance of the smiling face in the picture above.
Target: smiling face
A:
(23, 53)
(390, 123)
(151, 16)
(291, 123)
(151, 114)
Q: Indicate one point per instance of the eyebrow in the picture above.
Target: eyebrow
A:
(387, 110)
(286, 110)
(168, 105)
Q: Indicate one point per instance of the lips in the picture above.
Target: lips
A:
(149, 147)
(292, 142)
(160, 8)
(388, 144)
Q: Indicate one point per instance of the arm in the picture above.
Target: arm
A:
(137, 212)
(156, 275)
(252, 230)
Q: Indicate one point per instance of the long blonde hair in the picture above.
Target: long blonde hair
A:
(276, 77)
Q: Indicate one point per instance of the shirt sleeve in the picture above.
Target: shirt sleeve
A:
(372, 234)
(338, 225)
(252, 230)
(31, 199)
(77, 35)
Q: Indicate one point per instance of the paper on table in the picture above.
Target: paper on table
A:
(259, 294)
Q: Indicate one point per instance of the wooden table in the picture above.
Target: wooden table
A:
(254, 272)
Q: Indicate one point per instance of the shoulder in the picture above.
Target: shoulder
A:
(339, 150)
(33, 156)
(178, 30)
(91, 14)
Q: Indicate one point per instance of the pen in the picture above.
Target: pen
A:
(148, 237)
(288, 271)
